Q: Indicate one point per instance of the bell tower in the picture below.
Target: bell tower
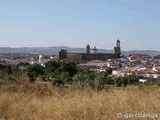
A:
(118, 43)
(88, 50)
(117, 49)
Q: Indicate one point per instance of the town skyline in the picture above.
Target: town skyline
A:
(78, 23)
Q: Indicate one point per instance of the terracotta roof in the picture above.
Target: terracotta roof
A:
(117, 68)
(157, 65)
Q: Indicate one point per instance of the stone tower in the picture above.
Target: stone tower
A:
(88, 49)
(62, 54)
(117, 49)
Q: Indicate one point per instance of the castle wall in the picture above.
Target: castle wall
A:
(102, 56)
(74, 56)
(85, 56)
(98, 56)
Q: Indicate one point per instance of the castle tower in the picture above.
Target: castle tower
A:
(88, 51)
(117, 49)
(118, 43)
(63, 54)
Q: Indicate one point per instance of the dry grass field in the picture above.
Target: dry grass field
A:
(41, 101)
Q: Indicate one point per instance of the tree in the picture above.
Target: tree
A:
(9, 69)
(82, 81)
(51, 66)
(2, 67)
(109, 80)
(33, 71)
(84, 70)
(71, 68)
(17, 72)
(99, 82)
(109, 71)
(117, 81)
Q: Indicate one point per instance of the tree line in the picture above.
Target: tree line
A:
(64, 73)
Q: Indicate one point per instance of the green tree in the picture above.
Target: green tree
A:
(51, 66)
(8, 69)
(33, 71)
(71, 68)
(2, 67)
(109, 80)
(84, 70)
(82, 81)
(17, 72)
(99, 82)
(109, 71)
(117, 81)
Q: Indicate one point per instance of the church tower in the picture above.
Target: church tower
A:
(88, 51)
(117, 49)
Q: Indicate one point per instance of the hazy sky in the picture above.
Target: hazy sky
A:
(76, 23)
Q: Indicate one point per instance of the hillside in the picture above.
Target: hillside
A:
(55, 50)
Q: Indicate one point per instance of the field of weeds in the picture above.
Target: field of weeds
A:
(42, 101)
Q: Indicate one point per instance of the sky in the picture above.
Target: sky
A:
(76, 23)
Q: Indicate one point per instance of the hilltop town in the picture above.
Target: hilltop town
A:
(144, 66)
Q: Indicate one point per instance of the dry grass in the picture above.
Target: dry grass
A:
(41, 101)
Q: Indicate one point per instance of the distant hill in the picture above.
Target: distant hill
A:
(56, 49)
(150, 52)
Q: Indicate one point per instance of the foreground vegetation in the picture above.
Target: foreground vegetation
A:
(23, 100)
(65, 91)
(63, 74)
